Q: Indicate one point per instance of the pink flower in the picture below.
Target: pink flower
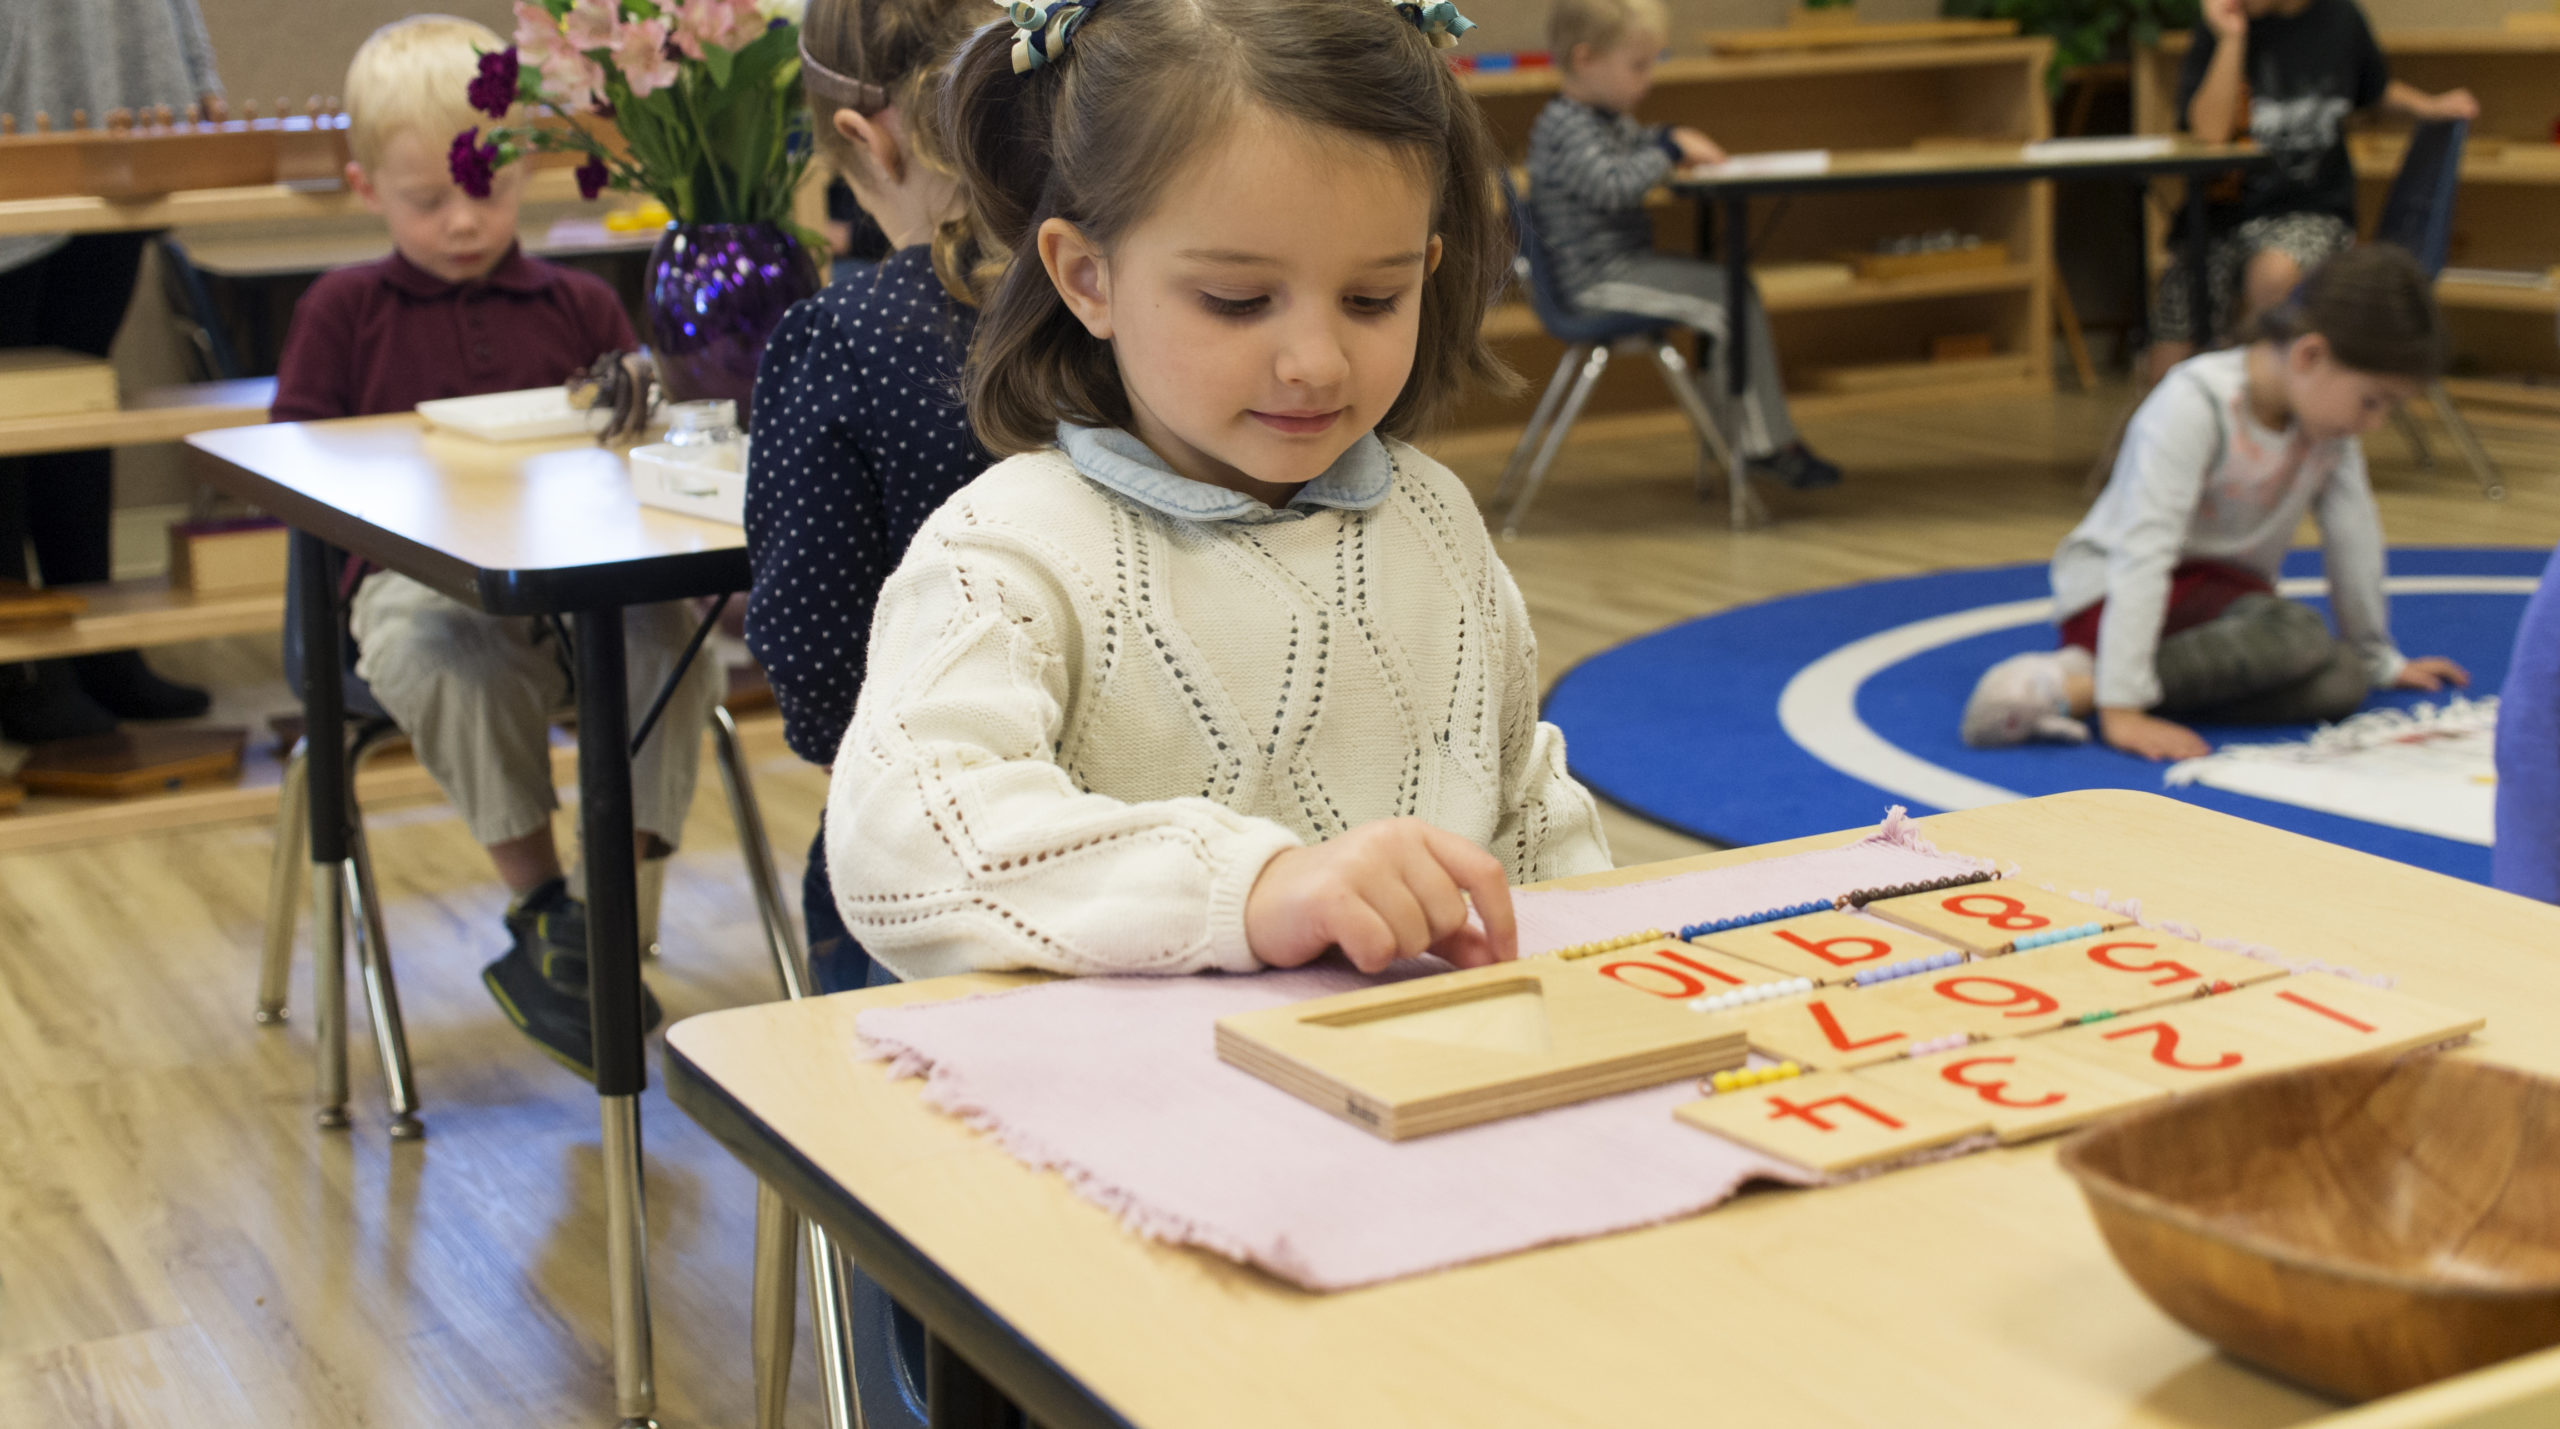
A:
(572, 81)
(593, 25)
(538, 35)
(640, 51)
(710, 22)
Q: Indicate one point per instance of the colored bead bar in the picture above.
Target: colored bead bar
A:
(1611, 945)
(1865, 896)
(1741, 1077)
(2088, 1017)
(2057, 935)
(1948, 1043)
(1908, 967)
(1727, 925)
(1756, 992)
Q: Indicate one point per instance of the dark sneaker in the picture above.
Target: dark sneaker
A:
(557, 1022)
(1798, 467)
(551, 927)
(129, 689)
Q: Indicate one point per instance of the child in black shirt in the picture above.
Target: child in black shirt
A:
(2285, 73)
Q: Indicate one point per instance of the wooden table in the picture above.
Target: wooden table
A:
(1932, 166)
(1974, 1292)
(541, 529)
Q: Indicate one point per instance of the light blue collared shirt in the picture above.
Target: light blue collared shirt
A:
(1113, 459)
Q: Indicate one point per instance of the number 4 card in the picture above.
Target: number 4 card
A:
(2028, 1088)
(1991, 917)
(1832, 1121)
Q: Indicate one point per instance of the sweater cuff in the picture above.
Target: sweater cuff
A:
(1669, 146)
(2384, 666)
(1252, 852)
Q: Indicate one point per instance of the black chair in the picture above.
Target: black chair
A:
(1590, 338)
(2417, 214)
(197, 317)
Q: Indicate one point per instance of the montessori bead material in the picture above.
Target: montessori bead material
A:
(2087, 1017)
(1756, 992)
(1741, 1077)
(1867, 977)
(1611, 945)
(1726, 925)
(2057, 935)
(1865, 896)
(1948, 1043)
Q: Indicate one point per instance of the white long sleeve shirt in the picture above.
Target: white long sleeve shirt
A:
(1102, 697)
(2200, 478)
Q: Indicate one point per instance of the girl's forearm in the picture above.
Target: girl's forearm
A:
(2213, 115)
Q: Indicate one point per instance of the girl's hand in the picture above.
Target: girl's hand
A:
(2431, 672)
(2228, 19)
(1397, 888)
(2452, 104)
(1696, 148)
(2152, 738)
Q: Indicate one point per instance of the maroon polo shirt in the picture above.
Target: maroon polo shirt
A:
(385, 336)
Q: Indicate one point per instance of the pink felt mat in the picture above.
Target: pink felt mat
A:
(1116, 1083)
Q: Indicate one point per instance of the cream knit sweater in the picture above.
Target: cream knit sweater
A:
(1088, 724)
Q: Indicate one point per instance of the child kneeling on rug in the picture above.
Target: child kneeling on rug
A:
(2167, 588)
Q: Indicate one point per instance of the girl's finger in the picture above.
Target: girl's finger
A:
(1480, 874)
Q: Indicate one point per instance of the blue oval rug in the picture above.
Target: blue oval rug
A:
(1812, 712)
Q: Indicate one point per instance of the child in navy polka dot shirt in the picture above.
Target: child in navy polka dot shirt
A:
(859, 429)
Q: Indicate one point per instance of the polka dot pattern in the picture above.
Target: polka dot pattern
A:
(859, 436)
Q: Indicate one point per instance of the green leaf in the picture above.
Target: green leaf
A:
(719, 62)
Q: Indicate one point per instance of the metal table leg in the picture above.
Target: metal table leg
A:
(325, 765)
(613, 983)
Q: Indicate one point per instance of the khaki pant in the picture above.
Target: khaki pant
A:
(476, 694)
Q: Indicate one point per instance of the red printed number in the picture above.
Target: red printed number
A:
(2177, 972)
(1682, 985)
(2000, 911)
(1831, 1028)
(1995, 1093)
(2020, 999)
(1810, 1113)
(2164, 1048)
(1875, 947)
(2333, 1014)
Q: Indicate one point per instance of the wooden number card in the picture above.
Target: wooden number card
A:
(1826, 947)
(2333, 1017)
(1673, 970)
(1847, 1027)
(2028, 1088)
(1442, 1052)
(2134, 968)
(1992, 917)
(2184, 1047)
(1832, 1121)
(1995, 997)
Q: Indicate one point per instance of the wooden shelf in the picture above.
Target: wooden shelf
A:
(163, 414)
(2537, 166)
(263, 202)
(1516, 320)
(1698, 69)
(2494, 297)
(126, 615)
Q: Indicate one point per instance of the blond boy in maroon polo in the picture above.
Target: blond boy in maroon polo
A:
(456, 310)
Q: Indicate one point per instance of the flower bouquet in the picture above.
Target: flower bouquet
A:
(704, 93)
(704, 96)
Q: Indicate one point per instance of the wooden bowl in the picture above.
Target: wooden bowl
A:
(2361, 1227)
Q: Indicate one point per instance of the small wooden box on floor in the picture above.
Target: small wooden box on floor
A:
(229, 558)
(54, 382)
(136, 760)
(1439, 1053)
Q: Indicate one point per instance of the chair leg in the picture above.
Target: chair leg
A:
(1594, 361)
(381, 992)
(781, 939)
(1548, 401)
(2492, 485)
(1743, 504)
(831, 1318)
(329, 994)
(2415, 436)
(285, 873)
(649, 887)
(776, 1297)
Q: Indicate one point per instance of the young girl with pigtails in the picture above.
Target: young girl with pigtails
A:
(1213, 670)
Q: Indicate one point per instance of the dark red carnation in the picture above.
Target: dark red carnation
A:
(474, 164)
(592, 177)
(493, 90)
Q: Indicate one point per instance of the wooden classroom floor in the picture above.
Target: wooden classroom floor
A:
(178, 1246)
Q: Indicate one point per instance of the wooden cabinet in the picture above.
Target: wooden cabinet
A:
(1875, 98)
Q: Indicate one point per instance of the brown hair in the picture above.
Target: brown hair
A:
(2376, 308)
(900, 46)
(1093, 136)
(1600, 24)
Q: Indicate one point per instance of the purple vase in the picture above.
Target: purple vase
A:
(716, 293)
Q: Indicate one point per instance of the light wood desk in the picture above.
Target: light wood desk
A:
(1975, 1292)
(531, 528)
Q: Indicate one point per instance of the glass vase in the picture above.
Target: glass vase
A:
(716, 292)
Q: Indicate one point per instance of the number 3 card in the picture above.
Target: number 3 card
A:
(2027, 1088)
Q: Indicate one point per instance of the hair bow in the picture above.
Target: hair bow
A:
(1042, 29)
(1439, 21)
